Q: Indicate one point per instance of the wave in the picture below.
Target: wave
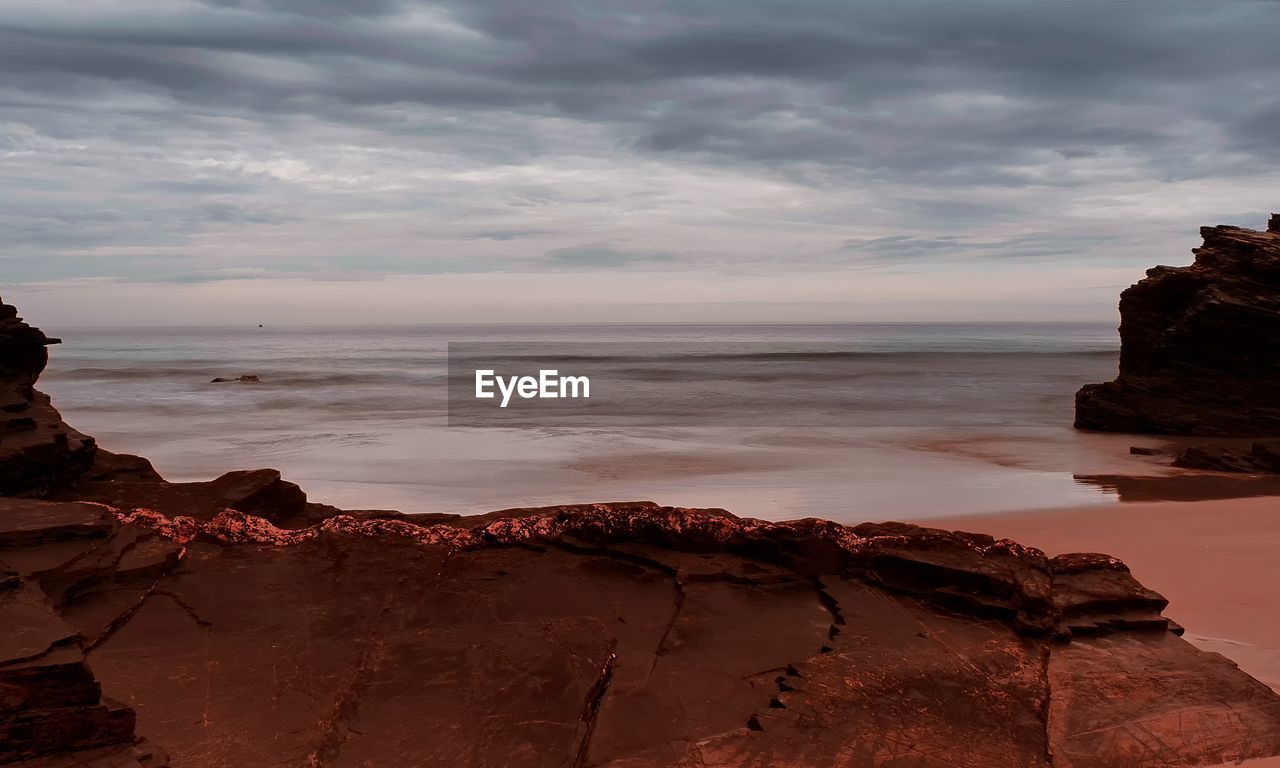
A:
(126, 374)
(783, 356)
(268, 379)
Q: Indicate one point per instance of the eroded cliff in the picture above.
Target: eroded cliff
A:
(1200, 345)
(38, 452)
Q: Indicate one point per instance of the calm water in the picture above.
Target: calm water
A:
(951, 419)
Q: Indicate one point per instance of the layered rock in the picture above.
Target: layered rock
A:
(38, 452)
(52, 708)
(117, 482)
(245, 626)
(627, 635)
(1200, 345)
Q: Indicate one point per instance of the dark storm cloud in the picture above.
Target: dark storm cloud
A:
(1259, 130)
(759, 80)
(323, 8)
(474, 135)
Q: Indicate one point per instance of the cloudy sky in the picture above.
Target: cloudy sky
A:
(384, 161)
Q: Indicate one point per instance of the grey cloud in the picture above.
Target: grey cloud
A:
(903, 246)
(1258, 131)
(1075, 154)
(323, 8)
(194, 186)
(661, 77)
(381, 137)
(1045, 245)
(228, 213)
(607, 257)
(502, 235)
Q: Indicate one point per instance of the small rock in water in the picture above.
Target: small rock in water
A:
(251, 378)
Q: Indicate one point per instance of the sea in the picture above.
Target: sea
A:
(891, 421)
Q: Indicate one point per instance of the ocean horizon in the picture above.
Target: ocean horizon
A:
(944, 418)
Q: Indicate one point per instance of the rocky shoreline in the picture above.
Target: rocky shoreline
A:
(232, 622)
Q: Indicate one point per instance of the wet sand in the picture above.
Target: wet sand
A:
(1216, 561)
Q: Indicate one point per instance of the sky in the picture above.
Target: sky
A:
(336, 162)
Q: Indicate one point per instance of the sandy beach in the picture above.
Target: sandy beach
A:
(1214, 560)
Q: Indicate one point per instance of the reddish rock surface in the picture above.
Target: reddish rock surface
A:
(1200, 345)
(50, 702)
(260, 491)
(234, 623)
(627, 635)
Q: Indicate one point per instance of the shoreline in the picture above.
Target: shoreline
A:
(1214, 561)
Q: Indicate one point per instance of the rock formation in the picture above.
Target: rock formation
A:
(1200, 345)
(1263, 457)
(50, 702)
(240, 624)
(37, 451)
